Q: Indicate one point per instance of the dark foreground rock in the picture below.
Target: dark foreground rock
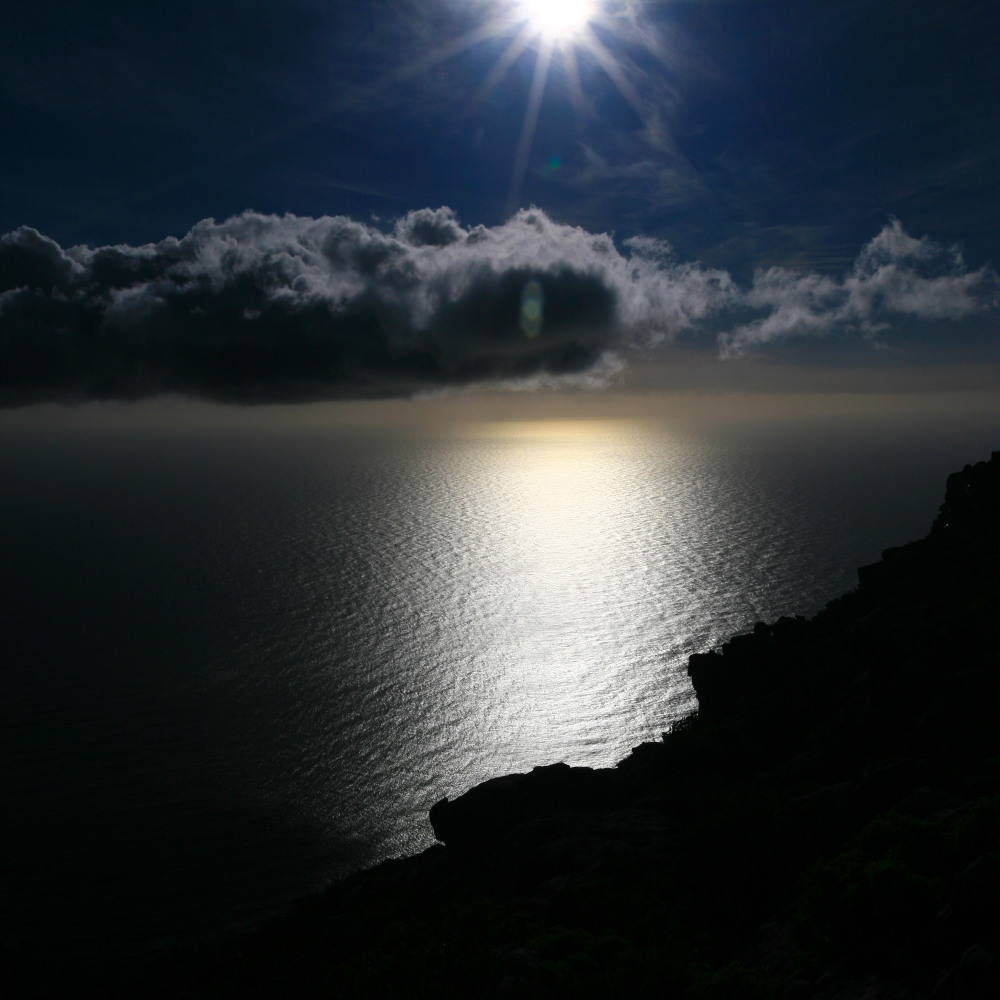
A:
(828, 826)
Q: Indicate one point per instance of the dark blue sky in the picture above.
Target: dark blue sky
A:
(792, 129)
(745, 133)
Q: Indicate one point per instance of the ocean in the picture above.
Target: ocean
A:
(241, 660)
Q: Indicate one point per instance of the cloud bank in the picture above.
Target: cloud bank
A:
(264, 308)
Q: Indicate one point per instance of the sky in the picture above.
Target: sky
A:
(262, 202)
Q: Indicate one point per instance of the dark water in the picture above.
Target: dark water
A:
(239, 663)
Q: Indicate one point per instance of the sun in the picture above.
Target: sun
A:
(564, 36)
(558, 20)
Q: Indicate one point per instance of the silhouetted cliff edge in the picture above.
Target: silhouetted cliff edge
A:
(827, 826)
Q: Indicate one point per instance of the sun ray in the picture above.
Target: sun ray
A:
(442, 53)
(624, 86)
(576, 95)
(542, 62)
(490, 29)
(552, 27)
(501, 67)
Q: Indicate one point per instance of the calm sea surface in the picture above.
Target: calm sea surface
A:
(240, 663)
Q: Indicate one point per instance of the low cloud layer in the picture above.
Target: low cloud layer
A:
(284, 308)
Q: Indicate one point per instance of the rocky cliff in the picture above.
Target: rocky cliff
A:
(828, 826)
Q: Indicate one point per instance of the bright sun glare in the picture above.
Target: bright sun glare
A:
(570, 34)
(558, 19)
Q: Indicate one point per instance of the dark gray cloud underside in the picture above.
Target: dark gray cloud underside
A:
(267, 308)
(236, 346)
(282, 309)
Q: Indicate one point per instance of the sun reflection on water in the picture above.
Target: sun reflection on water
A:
(569, 502)
(530, 593)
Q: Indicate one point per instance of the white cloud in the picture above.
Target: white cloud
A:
(263, 307)
(895, 279)
(275, 307)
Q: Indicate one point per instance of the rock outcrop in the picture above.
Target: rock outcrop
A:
(490, 811)
(827, 826)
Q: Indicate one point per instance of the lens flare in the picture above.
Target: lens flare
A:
(532, 309)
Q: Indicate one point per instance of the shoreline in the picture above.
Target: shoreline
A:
(827, 824)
